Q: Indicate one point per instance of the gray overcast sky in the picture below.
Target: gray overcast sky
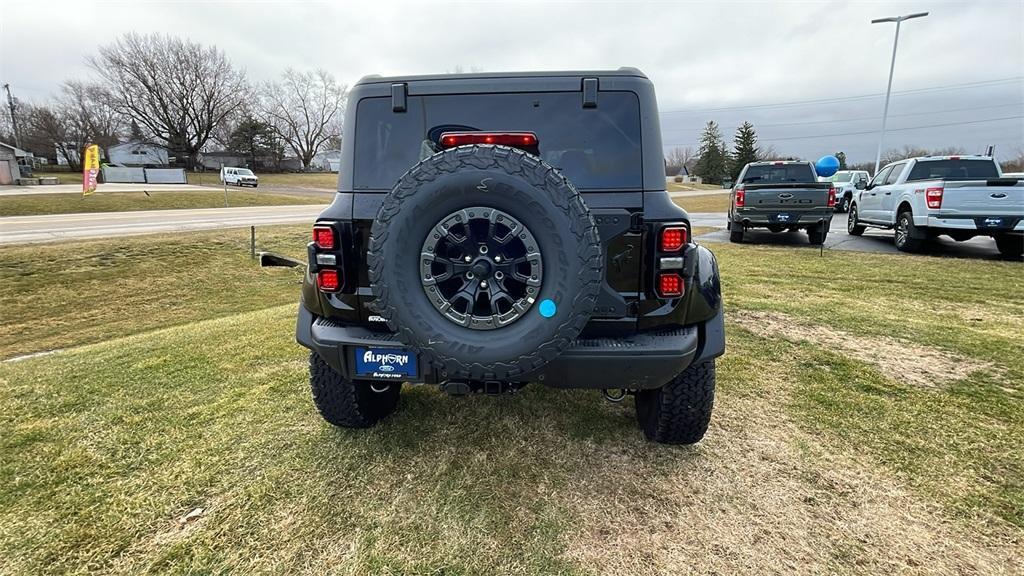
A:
(705, 58)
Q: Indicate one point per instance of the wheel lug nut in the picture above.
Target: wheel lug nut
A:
(497, 258)
(483, 284)
(468, 258)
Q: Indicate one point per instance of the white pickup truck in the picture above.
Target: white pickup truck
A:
(958, 196)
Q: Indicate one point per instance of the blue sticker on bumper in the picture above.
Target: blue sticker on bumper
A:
(386, 363)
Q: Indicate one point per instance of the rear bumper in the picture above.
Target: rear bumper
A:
(640, 361)
(994, 224)
(754, 217)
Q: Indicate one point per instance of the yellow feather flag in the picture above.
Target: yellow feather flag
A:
(90, 169)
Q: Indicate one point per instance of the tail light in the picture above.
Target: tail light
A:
(324, 237)
(934, 197)
(831, 196)
(741, 199)
(670, 285)
(672, 238)
(328, 280)
(513, 139)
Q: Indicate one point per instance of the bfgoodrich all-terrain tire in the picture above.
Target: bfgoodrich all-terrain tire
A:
(346, 403)
(679, 412)
(440, 256)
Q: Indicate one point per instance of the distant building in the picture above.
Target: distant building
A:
(137, 153)
(10, 157)
(218, 160)
(327, 160)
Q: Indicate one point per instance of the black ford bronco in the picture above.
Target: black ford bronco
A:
(492, 230)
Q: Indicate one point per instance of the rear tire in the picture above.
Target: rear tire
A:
(844, 204)
(679, 412)
(736, 233)
(853, 228)
(345, 403)
(905, 232)
(1010, 246)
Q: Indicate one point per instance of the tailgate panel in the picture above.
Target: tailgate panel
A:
(786, 196)
(977, 199)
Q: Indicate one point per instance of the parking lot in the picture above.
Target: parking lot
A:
(874, 240)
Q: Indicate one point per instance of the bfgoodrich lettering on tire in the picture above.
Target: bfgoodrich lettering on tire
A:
(423, 231)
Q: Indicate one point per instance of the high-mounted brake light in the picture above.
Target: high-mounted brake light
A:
(672, 238)
(670, 285)
(741, 197)
(934, 197)
(777, 163)
(513, 139)
(323, 237)
(831, 196)
(328, 280)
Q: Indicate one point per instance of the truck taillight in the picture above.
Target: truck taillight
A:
(670, 285)
(934, 197)
(741, 197)
(324, 237)
(328, 280)
(831, 196)
(672, 238)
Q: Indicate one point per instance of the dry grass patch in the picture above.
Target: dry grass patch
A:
(761, 495)
(901, 361)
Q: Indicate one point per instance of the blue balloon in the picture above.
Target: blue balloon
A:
(827, 166)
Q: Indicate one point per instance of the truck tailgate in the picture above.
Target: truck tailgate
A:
(1002, 197)
(787, 196)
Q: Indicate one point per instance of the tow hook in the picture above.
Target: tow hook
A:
(614, 395)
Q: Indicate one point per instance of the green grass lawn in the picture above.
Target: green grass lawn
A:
(37, 204)
(708, 203)
(322, 180)
(815, 462)
(64, 295)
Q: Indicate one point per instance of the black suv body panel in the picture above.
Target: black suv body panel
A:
(634, 338)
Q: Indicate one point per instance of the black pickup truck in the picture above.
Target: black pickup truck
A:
(781, 195)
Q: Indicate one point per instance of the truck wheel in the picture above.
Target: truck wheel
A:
(1010, 245)
(679, 412)
(817, 234)
(736, 233)
(485, 261)
(844, 204)
(905, 232)
(853, 228)
(345, 403)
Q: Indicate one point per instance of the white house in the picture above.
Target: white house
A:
(137, 153)
(10, 157)
(327, 160)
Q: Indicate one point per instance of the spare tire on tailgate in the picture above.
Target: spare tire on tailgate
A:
(485, 261)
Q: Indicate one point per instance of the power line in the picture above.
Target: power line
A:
(931, 112)
(896, 129)
(965, 85)
(861, 133)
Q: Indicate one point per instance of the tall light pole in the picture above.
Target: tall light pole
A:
(14, 117)
(892, 66)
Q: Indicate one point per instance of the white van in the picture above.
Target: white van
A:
(239, 177)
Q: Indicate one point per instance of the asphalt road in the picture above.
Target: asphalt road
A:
(873, 240)
(28, 229)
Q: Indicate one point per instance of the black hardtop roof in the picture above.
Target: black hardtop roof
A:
(624, 71)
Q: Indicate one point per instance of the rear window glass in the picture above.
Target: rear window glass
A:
(953, 170)
(842, 177)
(772, 173)
(596, 148)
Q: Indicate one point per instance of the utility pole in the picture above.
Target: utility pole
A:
(892, 66)
(14, 117)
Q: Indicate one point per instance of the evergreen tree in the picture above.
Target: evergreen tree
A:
(712, 165)
(744, 148)
(254, 139)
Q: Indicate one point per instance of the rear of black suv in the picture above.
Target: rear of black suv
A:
(492, 230)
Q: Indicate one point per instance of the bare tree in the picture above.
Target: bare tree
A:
(177, 91)
(677, 158)
(305, 109)
(91, 113)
